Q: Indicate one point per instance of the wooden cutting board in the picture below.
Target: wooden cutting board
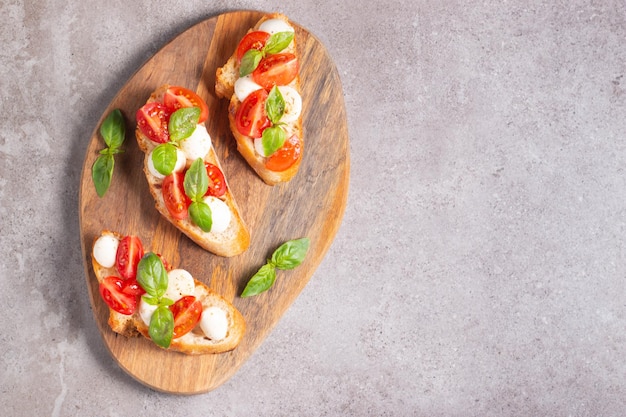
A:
(311, 205)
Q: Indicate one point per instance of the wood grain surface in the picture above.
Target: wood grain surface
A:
(311, 205)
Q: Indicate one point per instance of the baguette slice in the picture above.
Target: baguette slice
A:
(225, 79)
(192, 343)
(230, 242)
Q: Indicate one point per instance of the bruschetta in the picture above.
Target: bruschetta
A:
(262, 81)
(146, 296)
(184, 174)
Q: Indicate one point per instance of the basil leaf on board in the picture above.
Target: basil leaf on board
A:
(183, 122)
(261, 281)
(151, 275)
(277, 42)
(196, 181)
(113, 129)
(201, 215)
(102, 172)
(164, 158)
(161, 328)
(275, 105)
(249, 62)
(273, 139)
(290, 254)
(110, 151)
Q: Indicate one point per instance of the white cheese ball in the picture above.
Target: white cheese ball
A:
(105, 250)
(220, 214)
(244, 86)
(293, 104)
(197, 145)
(179, 283)
(272, 26)
(214, 323)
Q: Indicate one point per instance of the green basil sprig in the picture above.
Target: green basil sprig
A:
(196, 184)
(152, 276)
(113, 131)
(276, 43)
(288, 256)
(274, 136)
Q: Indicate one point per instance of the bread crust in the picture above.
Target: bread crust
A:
(225, 78)
(232, 241)
(192, 343)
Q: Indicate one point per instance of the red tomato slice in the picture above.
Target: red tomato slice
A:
(174, 195)
(166, 264)
(276, 69)
(217, 183)
(187, 312)
(251, 118)
(179, 97)
(132, 287)
(253, 40)
(285, 156)
(114, 297)
(129, 253)
(152, 120)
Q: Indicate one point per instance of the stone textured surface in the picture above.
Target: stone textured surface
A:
(480, 267)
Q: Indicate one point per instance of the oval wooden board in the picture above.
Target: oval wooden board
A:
(312, 204)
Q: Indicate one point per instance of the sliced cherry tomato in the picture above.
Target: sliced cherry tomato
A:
(166, 264)
(217, 183)
(112, 294)
(276, 69)
(152, 120)
(187, 312)
(253, 40)
(285, 156)
(132, 287)
(251, 118)
(129, 253)
(174, 195)
(179, 97)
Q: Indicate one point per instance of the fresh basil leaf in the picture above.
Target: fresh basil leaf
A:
(249, 62)
(277, 42)
(196, 181)
(164, 158)
(183, 122)
(150, 300)
(275, 105)
(102, 172)
(166, 302)
(113, 129)
(161, 328)
(151, 275)
(201, 215)
(273, 139)
(290, 254)
(261, 281)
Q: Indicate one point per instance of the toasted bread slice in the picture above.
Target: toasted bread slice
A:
(226, 77)
(193, 343)
(230, 242)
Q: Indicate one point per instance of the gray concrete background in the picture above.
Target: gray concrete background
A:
(480, 267)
